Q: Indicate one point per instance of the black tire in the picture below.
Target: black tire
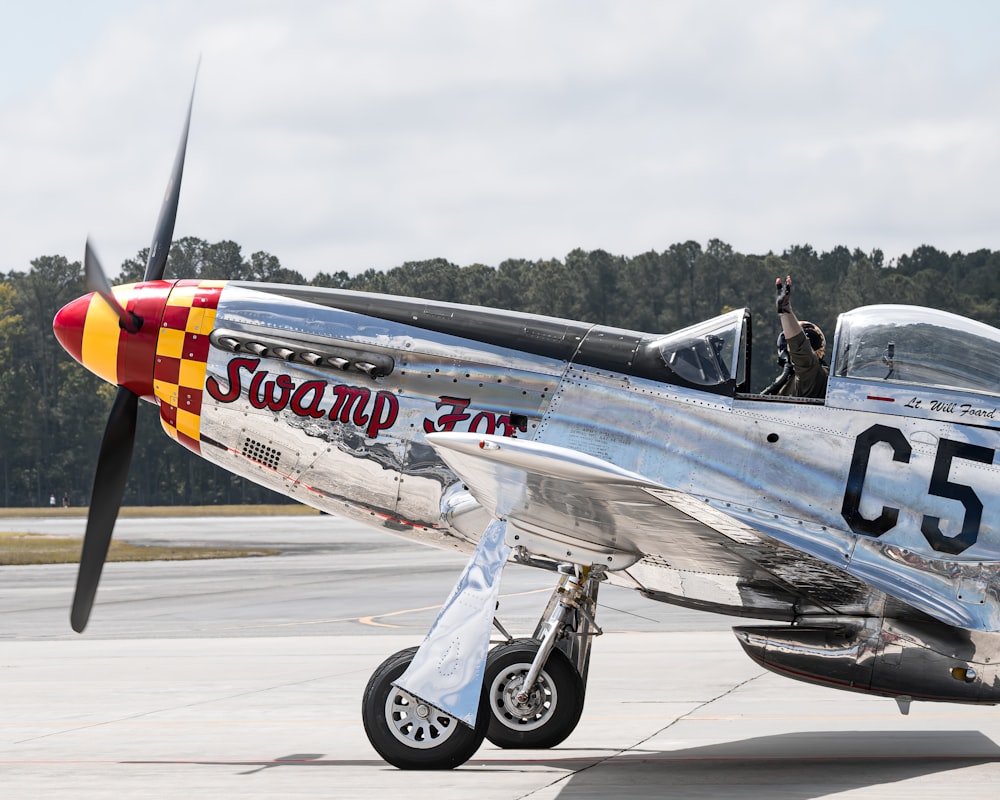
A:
(553, 708)
(438, 741)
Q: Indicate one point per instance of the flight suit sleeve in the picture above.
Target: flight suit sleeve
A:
(810, 375)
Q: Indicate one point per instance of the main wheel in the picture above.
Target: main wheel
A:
(408, 733)
(543, 717)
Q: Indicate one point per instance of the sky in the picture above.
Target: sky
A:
(356, 134)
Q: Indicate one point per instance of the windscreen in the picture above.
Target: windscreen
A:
(704, 355)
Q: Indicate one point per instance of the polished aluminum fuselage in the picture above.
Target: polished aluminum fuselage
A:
(841, 494)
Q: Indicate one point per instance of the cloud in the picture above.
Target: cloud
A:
(348, 135)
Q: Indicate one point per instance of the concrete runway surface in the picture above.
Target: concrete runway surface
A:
(243, 679)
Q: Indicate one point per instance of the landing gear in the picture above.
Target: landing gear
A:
(525, 693)
(542, 716)
(408, 733)
(535, 687)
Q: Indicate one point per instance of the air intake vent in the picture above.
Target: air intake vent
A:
(262, 453)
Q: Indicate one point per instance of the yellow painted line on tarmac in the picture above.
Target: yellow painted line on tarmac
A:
(372, 619)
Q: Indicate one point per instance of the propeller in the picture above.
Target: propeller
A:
(110, 478)
(115, 455)
(164, 233)
(96, 281)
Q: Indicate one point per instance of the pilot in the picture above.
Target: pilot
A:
(803, 344)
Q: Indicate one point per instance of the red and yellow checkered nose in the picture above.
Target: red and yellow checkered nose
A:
(182, 358)
(164, 361)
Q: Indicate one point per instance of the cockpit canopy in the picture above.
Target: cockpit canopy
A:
(892, 343)
(915, 345)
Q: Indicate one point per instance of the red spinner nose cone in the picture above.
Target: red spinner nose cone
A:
(89, 330)
(68, 325)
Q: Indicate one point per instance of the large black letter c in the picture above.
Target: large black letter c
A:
(851, 511)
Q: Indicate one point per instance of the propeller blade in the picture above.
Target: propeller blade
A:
(96, 281)
(163, 235)
(105, 501)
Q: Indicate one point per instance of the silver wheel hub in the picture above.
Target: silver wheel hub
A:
(520, 710)
(417, 724)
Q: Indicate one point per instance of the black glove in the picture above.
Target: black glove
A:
(783, 301)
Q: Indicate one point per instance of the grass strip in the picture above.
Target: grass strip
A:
(168, 511)
(19, 549)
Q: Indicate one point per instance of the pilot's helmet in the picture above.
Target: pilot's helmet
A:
(813, 334)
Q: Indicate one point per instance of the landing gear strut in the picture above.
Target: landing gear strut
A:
(535, 687)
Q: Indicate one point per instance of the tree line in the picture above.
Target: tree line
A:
(52, 411)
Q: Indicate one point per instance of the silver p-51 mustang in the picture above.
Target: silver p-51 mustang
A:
(865, 525)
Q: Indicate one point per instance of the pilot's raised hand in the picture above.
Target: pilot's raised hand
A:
(783, 301)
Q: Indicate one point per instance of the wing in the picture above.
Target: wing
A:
(563, 504)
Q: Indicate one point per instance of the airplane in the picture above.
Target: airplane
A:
(859, 530)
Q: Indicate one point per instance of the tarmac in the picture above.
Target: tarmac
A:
(243, 679)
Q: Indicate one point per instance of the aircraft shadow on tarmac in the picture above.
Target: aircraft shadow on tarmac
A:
(794, 765)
